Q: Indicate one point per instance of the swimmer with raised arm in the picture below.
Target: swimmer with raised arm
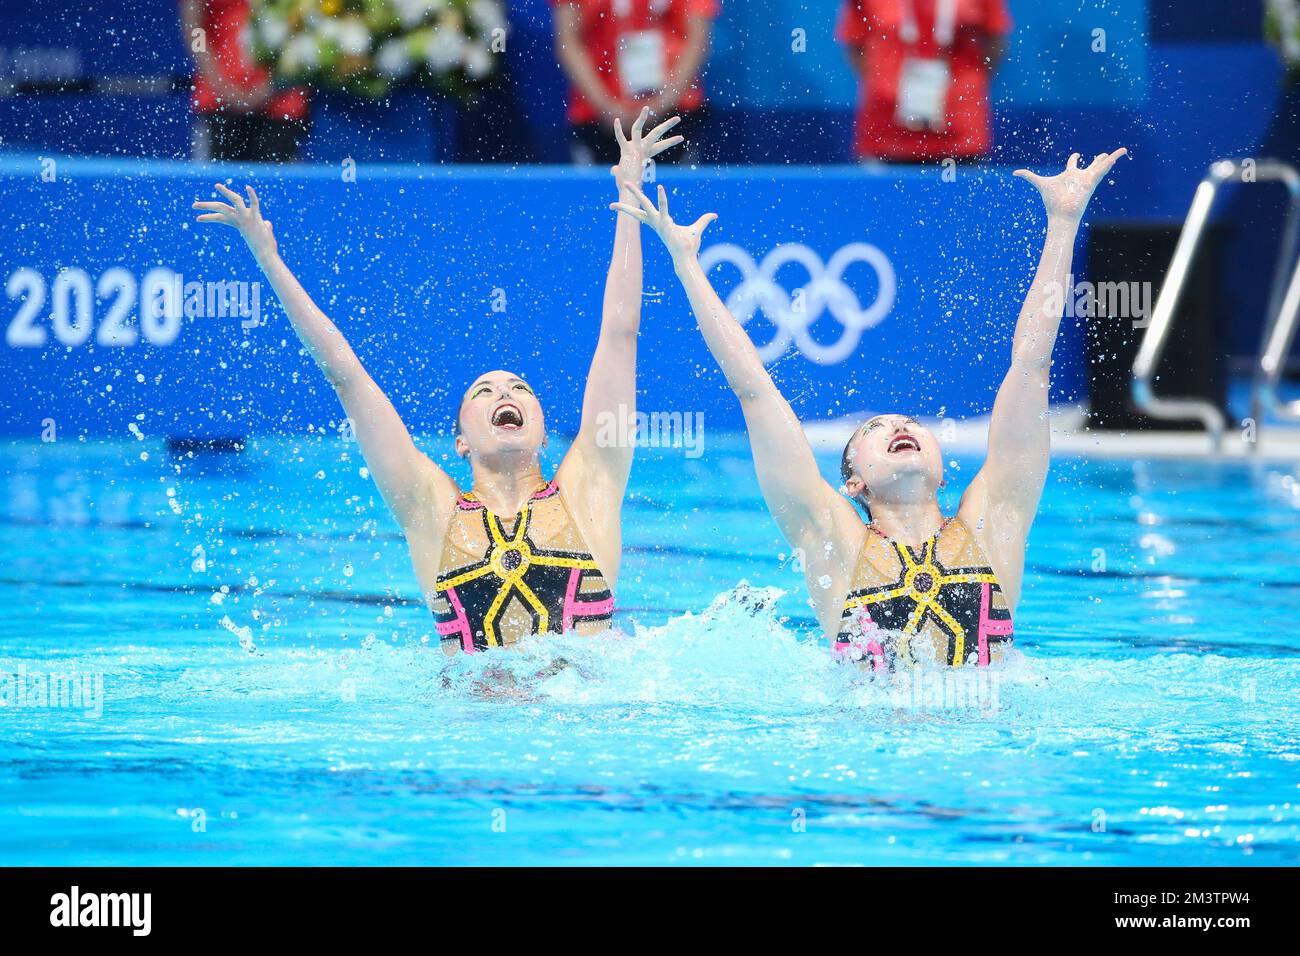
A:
(908, 585)
(517, 554)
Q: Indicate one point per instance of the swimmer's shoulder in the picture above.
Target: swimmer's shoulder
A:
(849, 530)
(831, 564)
(974, 511)
(436, 495)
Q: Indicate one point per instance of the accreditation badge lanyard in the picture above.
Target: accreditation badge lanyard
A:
(642, 54)
(923, 82)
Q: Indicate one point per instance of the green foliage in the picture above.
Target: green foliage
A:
(368, 46)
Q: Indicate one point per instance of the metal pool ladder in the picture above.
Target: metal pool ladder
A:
(1283, 307)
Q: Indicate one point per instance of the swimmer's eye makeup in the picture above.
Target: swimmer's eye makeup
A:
(879, 423)
(478, 390)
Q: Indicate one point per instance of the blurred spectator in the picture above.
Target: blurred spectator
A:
(239, 115)
(620, 55)
(924, 68)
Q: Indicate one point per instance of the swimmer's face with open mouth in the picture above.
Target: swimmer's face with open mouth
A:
(499, 412)
(890, 451)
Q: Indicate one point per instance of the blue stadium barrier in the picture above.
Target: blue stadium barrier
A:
(438, 274)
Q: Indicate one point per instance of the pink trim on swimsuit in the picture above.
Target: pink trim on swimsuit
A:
(546, 492)
(871, 650)
(460, 625)
(467, 501)
(575, 608)
(989, 628)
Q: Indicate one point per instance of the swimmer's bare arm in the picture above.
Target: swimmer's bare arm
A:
(603, 466)
(1007, 489)
(809, 512)
(416, 490)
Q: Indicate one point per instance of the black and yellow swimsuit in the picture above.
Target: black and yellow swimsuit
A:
(497, 584)
(943, 604)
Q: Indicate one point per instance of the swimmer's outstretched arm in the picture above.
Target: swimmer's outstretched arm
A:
(414, 488)
(1008, 488)
(610, 395)
(807, 509)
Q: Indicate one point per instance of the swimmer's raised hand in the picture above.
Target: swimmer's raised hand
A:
(683, 242)
(636, 149)
(247, 218)
(1067, 193)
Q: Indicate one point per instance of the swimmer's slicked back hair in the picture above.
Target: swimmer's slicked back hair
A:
(846, 472)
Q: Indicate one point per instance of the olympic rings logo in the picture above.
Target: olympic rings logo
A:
(826, 291)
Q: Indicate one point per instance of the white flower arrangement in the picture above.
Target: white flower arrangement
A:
(366, 46)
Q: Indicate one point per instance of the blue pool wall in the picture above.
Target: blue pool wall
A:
(1181, 83)
(438, 275)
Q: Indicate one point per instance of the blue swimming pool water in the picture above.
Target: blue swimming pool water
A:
(269, 698)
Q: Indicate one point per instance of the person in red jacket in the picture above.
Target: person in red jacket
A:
(924, 67)
(621, 55)
(240, 115)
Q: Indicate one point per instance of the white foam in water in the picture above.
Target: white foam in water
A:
(738, 654)
(738, 658)
(727, 708)
(736, 649)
